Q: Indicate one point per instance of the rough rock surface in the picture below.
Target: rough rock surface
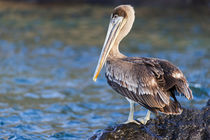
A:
(190, 125)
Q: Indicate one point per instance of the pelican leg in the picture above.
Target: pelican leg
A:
(144, 120)
(130, 117)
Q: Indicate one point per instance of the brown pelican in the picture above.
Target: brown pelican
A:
(151, 82)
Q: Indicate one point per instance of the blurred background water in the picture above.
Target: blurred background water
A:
(48, 55)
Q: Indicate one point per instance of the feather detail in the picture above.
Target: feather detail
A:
(148, 81)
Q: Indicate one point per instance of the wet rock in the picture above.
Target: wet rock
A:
(192, 124)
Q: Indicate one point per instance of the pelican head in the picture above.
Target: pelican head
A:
(121, 22)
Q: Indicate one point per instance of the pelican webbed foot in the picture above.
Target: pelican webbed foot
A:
(144, 120)
(132, 121)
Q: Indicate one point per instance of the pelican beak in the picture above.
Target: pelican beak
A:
(115, 26)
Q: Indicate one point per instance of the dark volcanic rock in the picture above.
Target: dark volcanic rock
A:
(190, 125)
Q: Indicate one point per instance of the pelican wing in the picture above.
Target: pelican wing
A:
(175, 79)
(145, 80)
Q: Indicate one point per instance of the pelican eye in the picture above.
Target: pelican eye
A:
(115, 16)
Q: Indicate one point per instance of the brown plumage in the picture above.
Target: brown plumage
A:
(151, 82)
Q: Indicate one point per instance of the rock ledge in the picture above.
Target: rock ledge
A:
(190, 125)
